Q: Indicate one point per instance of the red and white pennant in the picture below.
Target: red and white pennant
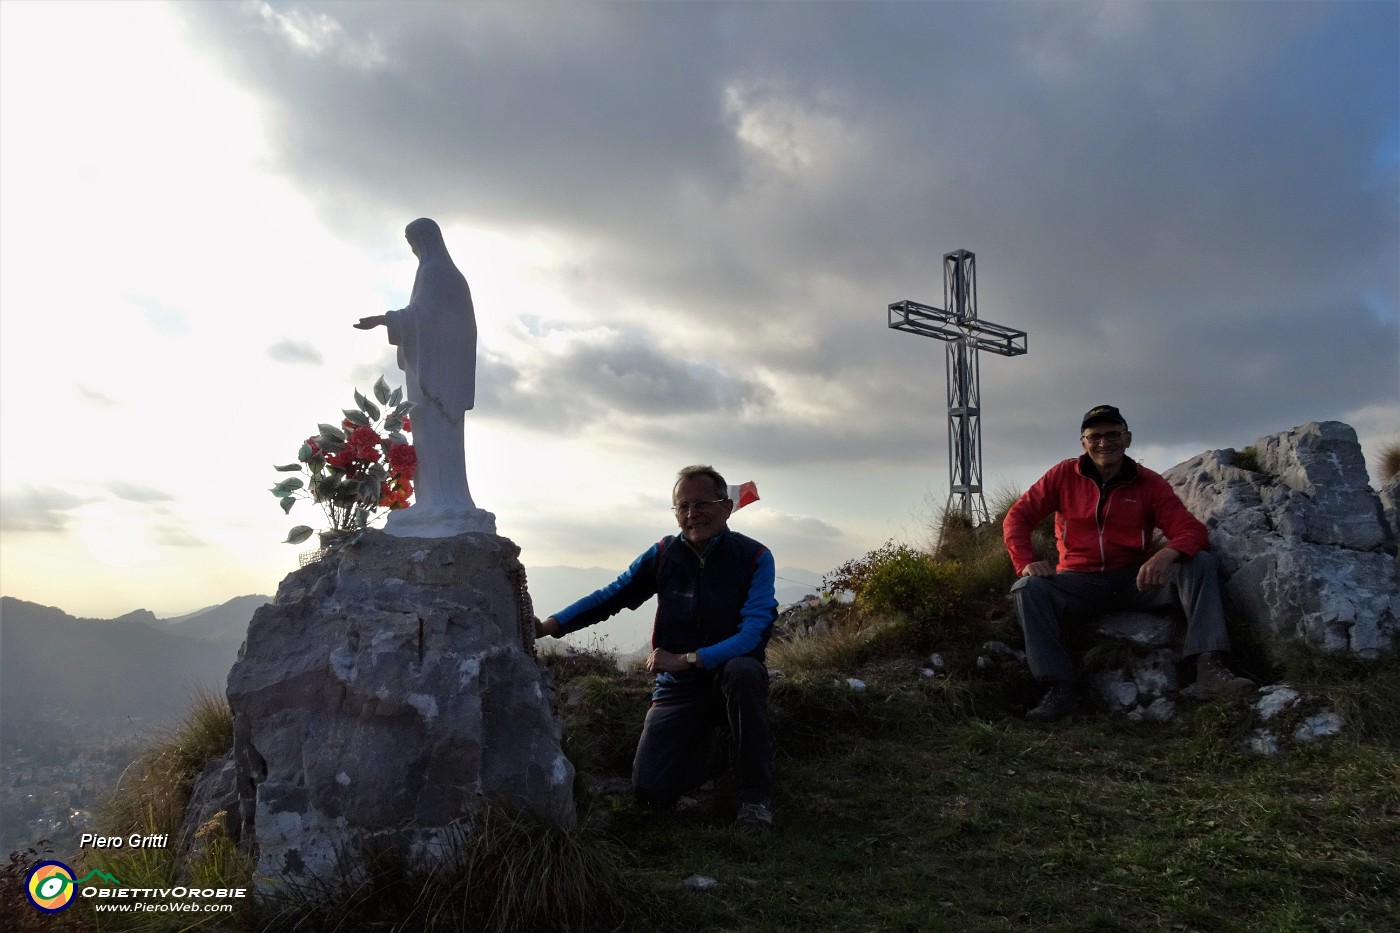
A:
(743, 494)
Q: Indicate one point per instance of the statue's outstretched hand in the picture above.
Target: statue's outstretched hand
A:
(371, 322)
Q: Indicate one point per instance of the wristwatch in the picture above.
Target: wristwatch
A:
(692, 658)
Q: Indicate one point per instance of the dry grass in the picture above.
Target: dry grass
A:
(154, 791)
(498, 873)
(1389, 460)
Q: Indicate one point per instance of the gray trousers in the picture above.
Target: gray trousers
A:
(676, 752)
(1044, 604)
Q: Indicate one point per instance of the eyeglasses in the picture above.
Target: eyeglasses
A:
(700, 508)
(1107, 437)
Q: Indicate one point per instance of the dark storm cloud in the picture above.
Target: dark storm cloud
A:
(582, 378)
(1191, 208)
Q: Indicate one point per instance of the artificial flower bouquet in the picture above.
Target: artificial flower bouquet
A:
(353, 470)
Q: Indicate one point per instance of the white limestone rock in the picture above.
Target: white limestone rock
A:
(1303, 542)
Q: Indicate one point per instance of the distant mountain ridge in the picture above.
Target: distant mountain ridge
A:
(138, 665)
(225, 623)
(131, 666)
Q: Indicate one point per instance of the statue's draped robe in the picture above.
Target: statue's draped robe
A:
(436, 340)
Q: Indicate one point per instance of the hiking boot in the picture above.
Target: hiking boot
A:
(1214, 679)
(755, 816)
(1059, 701)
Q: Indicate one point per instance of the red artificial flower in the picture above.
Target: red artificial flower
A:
(394, 496)
(343, 460)
(364, 442)
(403, 460)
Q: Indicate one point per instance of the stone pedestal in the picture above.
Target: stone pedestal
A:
(389, 691)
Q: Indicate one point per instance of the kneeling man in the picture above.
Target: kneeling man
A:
(1106, 507)
(715, 611)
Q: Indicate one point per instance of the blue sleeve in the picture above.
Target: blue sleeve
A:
(633, 587)
(755, 619)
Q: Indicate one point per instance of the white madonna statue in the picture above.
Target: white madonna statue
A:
(436, 337)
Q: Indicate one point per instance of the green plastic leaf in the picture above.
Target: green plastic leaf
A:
(398, 438)
(332, 432)
(287, 485)
(299, 534)
(395, 398)
(381, 391)
(403, 408)
(287, 504)
(366, 406)
(288, 468)
(354, 416)
(306, 453)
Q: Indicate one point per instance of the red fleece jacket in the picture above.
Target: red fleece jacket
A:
(1113, 537)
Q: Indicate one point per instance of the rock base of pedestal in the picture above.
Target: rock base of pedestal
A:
(387, 695)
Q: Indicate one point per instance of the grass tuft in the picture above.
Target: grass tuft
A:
(1389, 460)
(1247, 459)
(501, 872)
(155, 790)
(151, 799)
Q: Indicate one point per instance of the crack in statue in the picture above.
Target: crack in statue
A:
(436, 340)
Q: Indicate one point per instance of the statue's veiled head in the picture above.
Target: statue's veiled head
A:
(425, 237)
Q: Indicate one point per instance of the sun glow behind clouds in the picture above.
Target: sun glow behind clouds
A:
(150, 262)
(200, 198)
(150, 302)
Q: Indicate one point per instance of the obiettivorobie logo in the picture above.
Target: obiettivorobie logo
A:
(51, 886)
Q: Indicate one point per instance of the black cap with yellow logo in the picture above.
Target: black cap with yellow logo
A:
(1103, 413)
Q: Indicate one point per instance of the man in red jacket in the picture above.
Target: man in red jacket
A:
(1106, 509)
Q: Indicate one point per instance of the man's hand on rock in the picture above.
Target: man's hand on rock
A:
(549, 626)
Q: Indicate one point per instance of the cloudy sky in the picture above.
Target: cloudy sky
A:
(682, 224)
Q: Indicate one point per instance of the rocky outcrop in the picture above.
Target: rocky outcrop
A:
(1285, 716)
(1134, 672)
(1301, 539)
(384, 696)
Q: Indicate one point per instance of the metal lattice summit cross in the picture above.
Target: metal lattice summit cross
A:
(964, 334)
